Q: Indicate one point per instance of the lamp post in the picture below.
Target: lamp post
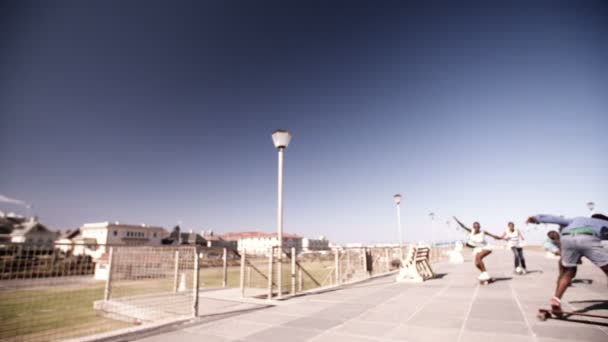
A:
(397, 199)
(281, 139)
(432, 217)
(449, 224)
(591, 207)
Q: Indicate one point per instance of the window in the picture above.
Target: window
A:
(115, 233)
(154, 234)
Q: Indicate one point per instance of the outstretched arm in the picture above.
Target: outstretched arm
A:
(520, 234)
(462, 224)
(549, 219)
(492, 235)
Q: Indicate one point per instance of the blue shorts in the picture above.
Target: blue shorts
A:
(576, 246)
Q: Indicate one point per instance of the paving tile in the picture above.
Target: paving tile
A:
(412, 333)
(497, 327)
(381, 317)
(496, 312)
(469, 336)
(438, 322)
(183, 336)
(265, 318)
(333, 337)
(313, 323)
(567, 333)
(282, 334)
(367, 329)
(232, 328)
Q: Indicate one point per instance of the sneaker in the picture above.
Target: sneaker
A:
(523, 271)
(518, 270)
(556, 307)
(484, 276)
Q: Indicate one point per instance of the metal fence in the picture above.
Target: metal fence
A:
(49, 294)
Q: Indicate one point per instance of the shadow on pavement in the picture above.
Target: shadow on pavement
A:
(599, 305)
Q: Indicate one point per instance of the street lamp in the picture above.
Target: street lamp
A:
(591, 207)
(281, 139)
(397, 199)
(432, 216)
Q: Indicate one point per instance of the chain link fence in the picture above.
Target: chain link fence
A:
(49, 293)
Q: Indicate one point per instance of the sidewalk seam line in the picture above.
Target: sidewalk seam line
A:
(521, 309)
(466, 317)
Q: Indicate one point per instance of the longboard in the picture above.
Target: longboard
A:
(487, 281)
(544, 314)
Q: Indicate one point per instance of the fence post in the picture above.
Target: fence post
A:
(300, 280)
(195, 283)
(270, 262)
(108, 290)
(337, 265)
(367, 272)
(388, 259)
(248, 276)
(176, 273)
(225, 268)
(293, 270)
(242, 278)
(348, 265)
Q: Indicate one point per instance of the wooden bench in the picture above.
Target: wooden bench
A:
(416, 265)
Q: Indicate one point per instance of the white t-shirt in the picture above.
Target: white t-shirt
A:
(478, 240)
(512, 238)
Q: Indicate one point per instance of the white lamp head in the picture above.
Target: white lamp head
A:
(432, 215)
(397, 199)
(591, 206)
(281, 138)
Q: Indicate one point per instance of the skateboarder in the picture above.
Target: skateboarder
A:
(513, 237)
(481, 249)
(581, 236)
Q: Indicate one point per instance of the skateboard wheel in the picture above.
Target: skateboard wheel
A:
(542, 316)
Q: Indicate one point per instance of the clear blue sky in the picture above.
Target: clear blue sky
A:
(158, 112)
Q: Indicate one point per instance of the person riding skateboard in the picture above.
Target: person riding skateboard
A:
(514, 239)
(481, 248)
(580, 236)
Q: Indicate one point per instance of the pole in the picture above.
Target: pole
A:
(337, 265)
(195, 284)
(108, 289)
(176, 273)
(280, 222)
(270, 262)
(243, 273)
(225, 268)
(293, 270)
(399, 225)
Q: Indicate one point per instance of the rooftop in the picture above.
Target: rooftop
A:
(254, 234)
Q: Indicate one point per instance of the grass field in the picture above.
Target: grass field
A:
(59, 312)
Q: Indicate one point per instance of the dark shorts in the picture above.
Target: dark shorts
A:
(576, 246)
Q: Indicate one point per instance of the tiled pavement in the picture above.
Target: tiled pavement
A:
(452, 308)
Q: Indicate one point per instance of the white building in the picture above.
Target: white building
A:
(310, 245)
(95, 238)
(260, 243)
(32, 232)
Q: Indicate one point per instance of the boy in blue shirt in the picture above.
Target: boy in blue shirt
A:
(580, 236)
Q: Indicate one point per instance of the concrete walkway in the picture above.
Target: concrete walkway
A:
(452, 308)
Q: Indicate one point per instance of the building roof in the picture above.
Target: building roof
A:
(117, 224)
(69, 234)
(28, 227)
(259, 235)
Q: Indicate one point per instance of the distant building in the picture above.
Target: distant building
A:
(260, 243)
(311, 245)
(65, 241)
(32, 232)
(95, 238)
